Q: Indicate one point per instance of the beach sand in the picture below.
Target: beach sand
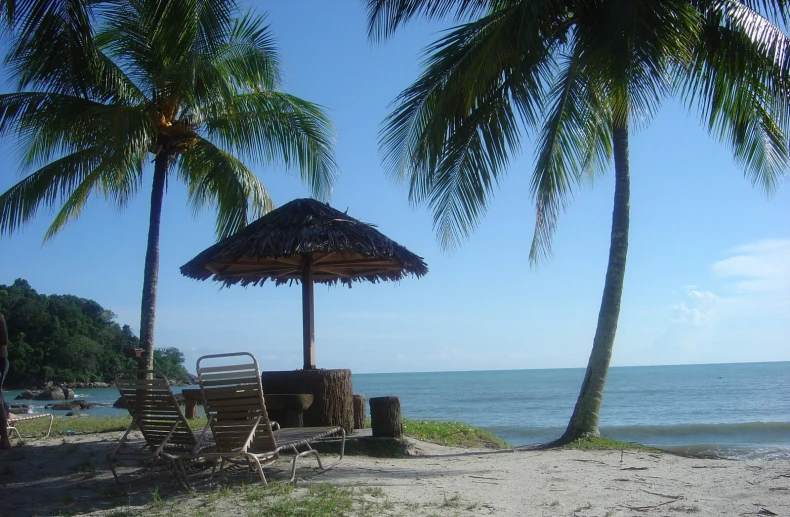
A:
(69, 476)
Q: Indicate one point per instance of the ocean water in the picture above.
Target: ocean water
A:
(739, 411)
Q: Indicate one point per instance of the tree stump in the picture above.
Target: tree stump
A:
(385, 419)
(331, 390)
(359, 412)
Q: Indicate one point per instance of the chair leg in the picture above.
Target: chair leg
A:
(112, 469)
(181, 473)
(301, 455)
(153, 464)
(314, 452)
(214, 468)
(260, 468)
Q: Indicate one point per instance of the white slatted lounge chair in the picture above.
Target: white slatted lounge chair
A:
(14, 419)
(234, 403)
(157, 414)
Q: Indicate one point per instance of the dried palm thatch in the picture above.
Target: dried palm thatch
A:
(305, 234)
(305, 241)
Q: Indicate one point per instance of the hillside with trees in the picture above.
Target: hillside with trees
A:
(68, 339)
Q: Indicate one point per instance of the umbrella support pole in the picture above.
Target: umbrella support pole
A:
(308, 314)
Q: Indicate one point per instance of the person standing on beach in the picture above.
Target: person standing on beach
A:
(4, 441)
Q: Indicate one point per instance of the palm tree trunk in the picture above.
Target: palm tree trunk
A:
(151, 272)
(586, 414)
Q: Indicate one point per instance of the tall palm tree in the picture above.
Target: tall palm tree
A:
(190, 85)
(584, 74)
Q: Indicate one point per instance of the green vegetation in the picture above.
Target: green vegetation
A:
(74, 425)
(107, 88)
(581, 77)
(319, 500)
(67, 339)
(65, 426)
(454, 434)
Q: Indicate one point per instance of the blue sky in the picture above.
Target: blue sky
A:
(708, 271)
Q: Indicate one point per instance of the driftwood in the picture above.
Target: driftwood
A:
(646, 508)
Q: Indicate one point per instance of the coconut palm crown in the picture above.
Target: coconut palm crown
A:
(582, 75)
(107, 86)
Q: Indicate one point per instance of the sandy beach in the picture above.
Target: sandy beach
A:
(68, 476)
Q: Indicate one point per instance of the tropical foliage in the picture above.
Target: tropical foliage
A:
(64, 338)
(106, 87)
(583, 75)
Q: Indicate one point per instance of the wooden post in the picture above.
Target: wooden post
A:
(385, 419)
(359, 412)
(308, 315)
(190, 408)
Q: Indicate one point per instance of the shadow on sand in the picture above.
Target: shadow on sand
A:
(69, 476)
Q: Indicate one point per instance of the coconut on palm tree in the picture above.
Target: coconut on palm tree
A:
(106, 87)
(584, 74)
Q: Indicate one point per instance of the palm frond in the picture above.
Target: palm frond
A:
(48, 125)
(69, 178)
(631, 47)
(576, 139)
(386, 16)
(273, 127)
(118, 184)
(214, 21)
(777, 10)
(247, 62)
(216, 178)
(474, 160)
(117, 80)
(250, 57)
(736, 83)
(452, 132)
(745, 18)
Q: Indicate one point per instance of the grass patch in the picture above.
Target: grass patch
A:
(599, 443)
(373, 491)
(320, 501)
(452, 502)
(454, 434)
(87, 469)
(287, 500)
(67, 426)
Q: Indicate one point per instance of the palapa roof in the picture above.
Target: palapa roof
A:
(340, 248)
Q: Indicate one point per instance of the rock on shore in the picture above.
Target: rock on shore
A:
(56, 393)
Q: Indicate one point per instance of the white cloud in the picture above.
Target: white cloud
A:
(758, 276)
(747, 318)
(699, 308)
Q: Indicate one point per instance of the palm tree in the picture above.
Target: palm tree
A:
(190, 85)
(584, 74)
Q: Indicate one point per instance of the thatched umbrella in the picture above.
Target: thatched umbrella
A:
(308, 241)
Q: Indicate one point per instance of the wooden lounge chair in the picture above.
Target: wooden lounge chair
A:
(234, 403)
(157, 414)
(13, 420)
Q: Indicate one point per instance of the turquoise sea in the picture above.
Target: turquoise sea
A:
(735, 411)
